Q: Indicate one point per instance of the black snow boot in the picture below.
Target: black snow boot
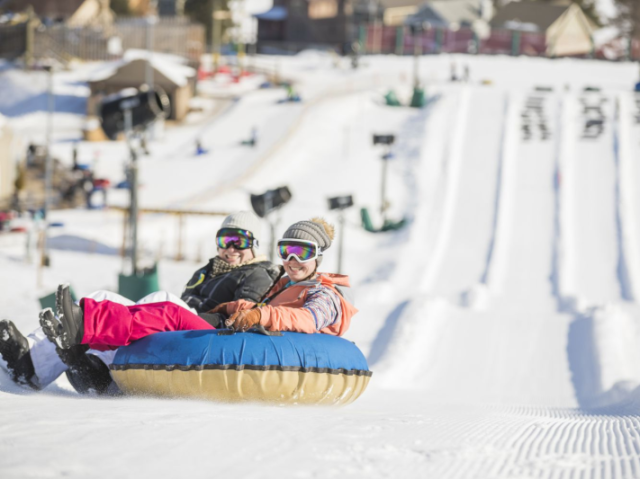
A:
(87, 373)
(50, 325)
(14, 349)
(71, 318)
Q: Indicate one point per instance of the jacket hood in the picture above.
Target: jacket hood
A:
(333, 278)
(324, 278)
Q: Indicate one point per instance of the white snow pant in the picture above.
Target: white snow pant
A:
(46, 363)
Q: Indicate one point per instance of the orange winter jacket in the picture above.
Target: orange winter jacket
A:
(285, 312)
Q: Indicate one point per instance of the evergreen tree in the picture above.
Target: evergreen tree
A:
(120, 7)
(201, 11)
(587, 6)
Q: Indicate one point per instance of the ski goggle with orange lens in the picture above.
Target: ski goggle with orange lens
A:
(240, 239)
(301, 250)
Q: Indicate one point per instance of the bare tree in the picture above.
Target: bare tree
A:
(587, 6)
(628, 19)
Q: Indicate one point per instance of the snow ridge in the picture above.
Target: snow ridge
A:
(497, 254)
(452, 171)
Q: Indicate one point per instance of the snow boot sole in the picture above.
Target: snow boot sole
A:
(14, 350)
(87, 373)
(71, 318)
(50, 326)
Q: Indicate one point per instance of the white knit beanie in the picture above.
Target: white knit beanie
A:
(245, 220)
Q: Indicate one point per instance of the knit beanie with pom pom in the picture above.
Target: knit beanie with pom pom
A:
(316, 229)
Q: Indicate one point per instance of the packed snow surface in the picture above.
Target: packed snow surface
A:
(502, 323)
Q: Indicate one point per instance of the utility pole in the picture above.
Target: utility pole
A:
(340, 240)
(151, 21)
(30, 37)
(241, 43)
(215, 35)
(133, 188)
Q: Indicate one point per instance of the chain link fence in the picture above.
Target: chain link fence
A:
(176, 36)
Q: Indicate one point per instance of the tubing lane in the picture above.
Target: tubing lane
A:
(498, 252)
(598, 266)
(454, 160)
(627, 208)
(341, 90)
(565, 281)
(472, 226)
(564, 256)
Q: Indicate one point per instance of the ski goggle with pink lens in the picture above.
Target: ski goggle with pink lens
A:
(239, 239)
(301, 250)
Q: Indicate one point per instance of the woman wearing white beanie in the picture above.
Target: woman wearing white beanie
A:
(237, 272)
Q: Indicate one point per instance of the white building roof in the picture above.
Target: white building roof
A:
(171, 66)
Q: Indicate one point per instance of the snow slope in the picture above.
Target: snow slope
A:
(501, 324)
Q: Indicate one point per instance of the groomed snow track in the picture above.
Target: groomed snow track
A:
(552, 316)
(502, 324)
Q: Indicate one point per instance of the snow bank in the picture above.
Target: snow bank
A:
(413, 345)
(604, 354)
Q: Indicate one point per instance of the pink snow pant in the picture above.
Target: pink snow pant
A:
(108, 324)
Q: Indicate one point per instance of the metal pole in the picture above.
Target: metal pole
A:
(133, 188)
(179, 256)
(30, 37)
(383, 190)
(272, 227)
(48, 167)
(417, 51)
(272, 244)
(340, 240)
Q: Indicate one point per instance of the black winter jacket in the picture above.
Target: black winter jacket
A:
(251, 282)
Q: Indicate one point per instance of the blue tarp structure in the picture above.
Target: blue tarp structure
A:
(275, 14)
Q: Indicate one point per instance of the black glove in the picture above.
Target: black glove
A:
(214, 319)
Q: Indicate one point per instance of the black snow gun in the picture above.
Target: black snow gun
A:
(132, 109)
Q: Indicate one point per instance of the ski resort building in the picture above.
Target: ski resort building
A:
(569, 32)
(74, 13)
(293, 25)
(451, 14)
(177, 81)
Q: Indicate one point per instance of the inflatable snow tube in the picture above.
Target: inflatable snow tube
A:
(293, 368)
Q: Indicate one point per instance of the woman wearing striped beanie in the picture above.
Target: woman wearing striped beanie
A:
(305, 301)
